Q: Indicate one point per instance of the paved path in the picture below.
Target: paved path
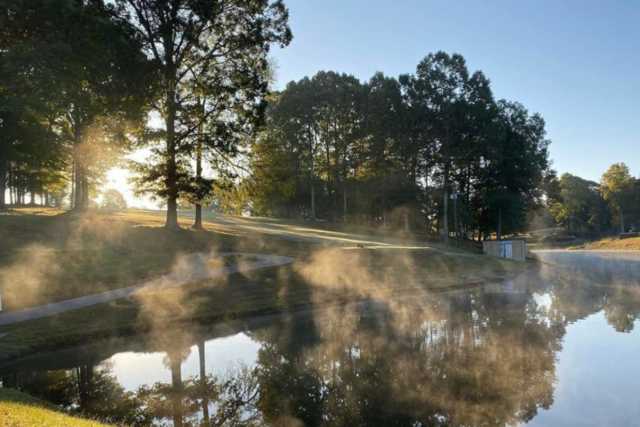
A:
(189, 269)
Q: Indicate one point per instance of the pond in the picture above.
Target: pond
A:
(558, 345)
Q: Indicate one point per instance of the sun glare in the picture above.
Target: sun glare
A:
(118, 178)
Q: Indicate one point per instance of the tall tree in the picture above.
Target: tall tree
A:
(514, 167)
(320, 121)
(617, 186)
(578, 205)
(222, 45)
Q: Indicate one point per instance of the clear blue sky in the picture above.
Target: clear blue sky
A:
(575, 62)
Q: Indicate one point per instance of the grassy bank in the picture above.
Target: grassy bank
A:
(614, 244)
(88, 254)
(21, 410)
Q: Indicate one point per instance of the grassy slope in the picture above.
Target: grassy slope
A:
(631, 244)
(44, 257)
(92, 253)
(21, 410)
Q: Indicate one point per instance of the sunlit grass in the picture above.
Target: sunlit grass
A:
(21, 410)
(630, 244)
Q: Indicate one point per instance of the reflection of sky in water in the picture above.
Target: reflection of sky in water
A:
(542, 300)
(135, 369)
(488, 354)
(598, 375)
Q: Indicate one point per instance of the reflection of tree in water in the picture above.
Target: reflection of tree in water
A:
(622, 308)
(89, 390)
(481, 357)
(205, 400)
(597, 283)
(468, 360)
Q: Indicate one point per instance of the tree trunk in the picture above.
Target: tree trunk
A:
(177, 386)
(85, 379)
(197, 224)
(203, 383)
(455, 217)
(384, 208)
(72, 196)
(344, 203)
(171, 178)
(3, 183)
(499, 230)
(85, 189)
(445, 215)
(313, 190)
(198, 217)
(81, 187)
(621, 221)
(445, 200)
(78, 195)
(11, 186)
(313, 201)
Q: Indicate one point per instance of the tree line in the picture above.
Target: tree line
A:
(431, 150)
(590, 209)
(83, 82)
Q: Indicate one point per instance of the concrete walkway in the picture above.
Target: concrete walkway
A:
(189, 269)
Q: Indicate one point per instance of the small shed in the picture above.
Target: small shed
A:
(510, 249)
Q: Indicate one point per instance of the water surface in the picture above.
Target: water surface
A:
(555, 346)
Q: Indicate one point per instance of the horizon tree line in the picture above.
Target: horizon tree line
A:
(591, 209)
(430, 151)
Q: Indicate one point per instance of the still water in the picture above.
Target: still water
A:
(558, 345)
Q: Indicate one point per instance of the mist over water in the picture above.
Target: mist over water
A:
(555, 346)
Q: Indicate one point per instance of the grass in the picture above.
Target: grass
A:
(47, 255)
(630, 244)
(58, 255)
(18, 409)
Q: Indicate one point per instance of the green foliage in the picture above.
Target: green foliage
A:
(80, 76)
(112, 199)
(592, 209)
(337, 148)
(579, 206)
(619, 190)
(213, 78)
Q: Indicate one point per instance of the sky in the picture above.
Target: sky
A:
(574, 62)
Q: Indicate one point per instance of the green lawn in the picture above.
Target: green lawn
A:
(21, 410)
(77, 256)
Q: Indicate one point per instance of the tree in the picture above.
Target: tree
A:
(435, 94)
(617, 186)
(451, 113)
(85, 72)
(285, 154)
(386, 157)
(317, 124)
(219, 46)
(514, 167)
(335, 147)
(578, 205)
(112, 199)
